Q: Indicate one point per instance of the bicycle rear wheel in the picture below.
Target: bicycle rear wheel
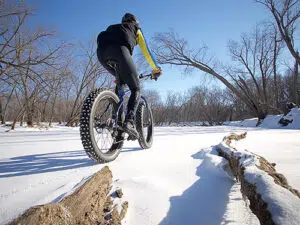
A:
(144, 124)
(99, 133)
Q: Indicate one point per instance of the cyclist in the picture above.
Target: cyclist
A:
(116, 44)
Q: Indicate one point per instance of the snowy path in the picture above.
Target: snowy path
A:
(178, 181)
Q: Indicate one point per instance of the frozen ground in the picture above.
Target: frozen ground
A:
(179, 180)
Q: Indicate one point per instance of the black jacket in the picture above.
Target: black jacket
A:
(118, 34)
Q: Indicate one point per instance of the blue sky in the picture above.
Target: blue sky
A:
(212, 22)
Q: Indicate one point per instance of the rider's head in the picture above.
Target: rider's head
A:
(129, 18)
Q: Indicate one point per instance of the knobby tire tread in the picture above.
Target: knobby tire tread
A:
(85, 132)
(139, 126)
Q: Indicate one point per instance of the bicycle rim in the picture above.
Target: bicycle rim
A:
(103, 125)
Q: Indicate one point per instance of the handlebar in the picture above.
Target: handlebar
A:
(146, 76)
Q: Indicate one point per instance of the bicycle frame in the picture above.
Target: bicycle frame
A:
(121, 93)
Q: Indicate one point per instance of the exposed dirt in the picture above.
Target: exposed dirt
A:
(90, 204)
(257, 204)
(279, 178)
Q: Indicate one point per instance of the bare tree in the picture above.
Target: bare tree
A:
(286, 14)
(277, 47)
(295, 87)
(87, 75)
(12, 19)
(198, 104)
(3, 109)
(171, 49)
(14, 37)
(256, 59)
(55, 88)
(25, 55)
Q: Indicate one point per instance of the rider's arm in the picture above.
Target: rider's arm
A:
(144, 47)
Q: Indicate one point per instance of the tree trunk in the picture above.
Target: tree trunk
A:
(22, 120)
(72, 121)
(230, 113)
(1, 112)
(275, 55)
(43, 119)
(20, 114)
(13, 126)
(294, 87)
(52, 109)
(30, 112)
(29, 115)
(39, 117)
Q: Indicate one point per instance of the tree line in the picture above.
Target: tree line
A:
(260, 76)
(46, 79)
(43, 78)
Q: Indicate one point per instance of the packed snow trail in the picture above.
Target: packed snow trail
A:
(180, 180)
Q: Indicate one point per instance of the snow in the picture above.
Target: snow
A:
(244, 123)
(180, 180)
(283, 205)
(295, 116)
(277, 146)
(271, 121)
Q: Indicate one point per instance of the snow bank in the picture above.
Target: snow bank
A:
(292, 120)
(41, 128)
(184, 124)
(271, 198)
(244, 123)
(272, 121)
(294, 115)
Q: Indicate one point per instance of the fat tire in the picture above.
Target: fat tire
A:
(86, 128)
(145, 142)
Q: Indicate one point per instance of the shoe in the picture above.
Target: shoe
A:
(120, 136)
(130, 129)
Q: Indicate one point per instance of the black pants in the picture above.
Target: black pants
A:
(125, 73)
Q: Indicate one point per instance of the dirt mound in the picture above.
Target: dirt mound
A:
(87, 205)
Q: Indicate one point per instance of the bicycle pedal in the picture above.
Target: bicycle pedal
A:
(131, 138)
(117, 142)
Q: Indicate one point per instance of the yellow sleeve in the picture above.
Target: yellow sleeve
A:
(146, 52)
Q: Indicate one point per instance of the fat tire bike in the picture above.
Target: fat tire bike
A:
(101, 120)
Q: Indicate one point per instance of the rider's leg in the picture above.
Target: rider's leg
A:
(105, 55)
(121, 116)
(128, 74)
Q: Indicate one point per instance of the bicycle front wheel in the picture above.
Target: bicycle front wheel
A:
(144, 124)
(98, 130)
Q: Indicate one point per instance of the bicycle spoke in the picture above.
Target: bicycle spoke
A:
(102, 143)
(98, 125)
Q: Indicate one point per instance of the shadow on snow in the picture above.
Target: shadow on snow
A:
(132, 149)
(43, 163)
(205, 201)
(48, 162)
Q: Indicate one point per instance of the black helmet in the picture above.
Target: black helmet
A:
(128, 18)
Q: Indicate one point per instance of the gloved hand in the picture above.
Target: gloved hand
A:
(156, 73)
